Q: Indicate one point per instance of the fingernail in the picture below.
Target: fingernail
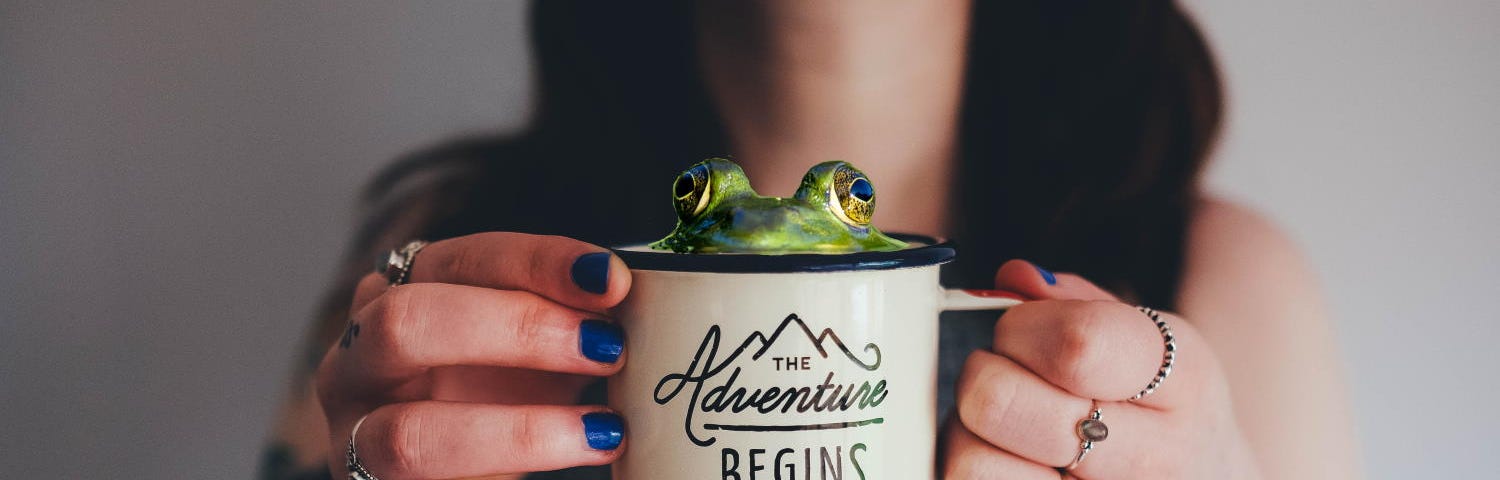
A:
(591, 272)
(601, 341)
(603, 430)
(1046, 275)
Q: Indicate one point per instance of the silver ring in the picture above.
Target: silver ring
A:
(1168, 357)
(396, 264)
(1091, 429)
(351, 459)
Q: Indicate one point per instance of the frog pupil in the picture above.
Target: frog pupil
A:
(862, 190)
(684, 185)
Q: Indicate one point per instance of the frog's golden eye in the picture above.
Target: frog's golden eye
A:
(690, 192)
(851, 197)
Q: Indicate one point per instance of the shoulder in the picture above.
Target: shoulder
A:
(1235, 254)
(1224, 235)
(1256, 302)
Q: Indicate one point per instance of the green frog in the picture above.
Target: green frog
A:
(718, 212)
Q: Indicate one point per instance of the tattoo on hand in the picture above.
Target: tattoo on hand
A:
(349, 334)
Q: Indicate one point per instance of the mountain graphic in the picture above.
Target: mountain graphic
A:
(707, 364)
(817, 341)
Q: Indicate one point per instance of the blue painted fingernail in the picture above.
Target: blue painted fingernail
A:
(591, 272)
(603, 430)
(601, 341)
(1046, 275)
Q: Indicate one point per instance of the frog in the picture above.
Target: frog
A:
(719, 212)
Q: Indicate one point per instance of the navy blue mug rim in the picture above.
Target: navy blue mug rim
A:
(934, 251)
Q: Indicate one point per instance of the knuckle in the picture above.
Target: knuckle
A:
(1081, 341)
(972, 368)
(393, 324)
(524, 435)
(964, 394)
(983, 400)
(526, 323)
(404, 440)
(466, 263)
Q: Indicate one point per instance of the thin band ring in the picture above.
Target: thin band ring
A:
(351, 458)
(1168, 357)
(1091, 429)
(396, 265)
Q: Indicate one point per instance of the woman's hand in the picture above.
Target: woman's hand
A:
(1019, 405)
(474, 367)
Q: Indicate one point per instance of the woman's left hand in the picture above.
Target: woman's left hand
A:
(1074, 348)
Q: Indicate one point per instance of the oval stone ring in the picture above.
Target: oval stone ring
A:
(1091, 429)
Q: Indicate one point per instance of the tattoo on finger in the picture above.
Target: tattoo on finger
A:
(349, 333)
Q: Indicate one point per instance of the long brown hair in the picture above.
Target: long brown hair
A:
(1085, 125)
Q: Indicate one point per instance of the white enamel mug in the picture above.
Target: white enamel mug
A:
(784, 367)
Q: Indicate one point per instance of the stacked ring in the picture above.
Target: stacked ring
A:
(396, 265)
(1091, 429)
(1169, 356)
(351, 459)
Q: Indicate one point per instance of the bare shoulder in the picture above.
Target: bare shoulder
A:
(1255, 300)
(1222, 228)
(1237, 257)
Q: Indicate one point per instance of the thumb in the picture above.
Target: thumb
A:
(1035, 282)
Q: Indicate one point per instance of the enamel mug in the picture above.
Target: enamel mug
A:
(784, 367)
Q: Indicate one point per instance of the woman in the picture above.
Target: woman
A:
(1070, 134)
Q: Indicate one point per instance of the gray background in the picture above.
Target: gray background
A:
(177, 177)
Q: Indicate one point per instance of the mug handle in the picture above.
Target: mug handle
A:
(974, 299)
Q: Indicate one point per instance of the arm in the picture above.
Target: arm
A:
(1256, 302)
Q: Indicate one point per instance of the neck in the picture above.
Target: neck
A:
(875, 83)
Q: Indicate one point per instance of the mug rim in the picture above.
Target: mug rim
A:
(935, 251)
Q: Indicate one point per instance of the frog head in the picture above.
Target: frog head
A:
(718, 212)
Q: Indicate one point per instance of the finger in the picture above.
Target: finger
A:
(1032, 281)
(568, 271)
(431, 440)
(1100, 349)
(414, 327)
(1016, 411)
(970, 457)
(369, 287)
(1011, 408)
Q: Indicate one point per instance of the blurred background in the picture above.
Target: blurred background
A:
(177, 179)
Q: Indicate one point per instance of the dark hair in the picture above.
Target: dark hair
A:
(1084, 127)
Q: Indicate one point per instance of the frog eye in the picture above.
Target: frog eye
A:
(851, 197)
(690, 192)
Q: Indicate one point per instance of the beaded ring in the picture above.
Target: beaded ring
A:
(1169, 356)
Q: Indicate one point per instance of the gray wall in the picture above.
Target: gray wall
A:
(177, 177)
(1370, 129)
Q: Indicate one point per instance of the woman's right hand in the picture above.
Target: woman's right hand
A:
(475, 366)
